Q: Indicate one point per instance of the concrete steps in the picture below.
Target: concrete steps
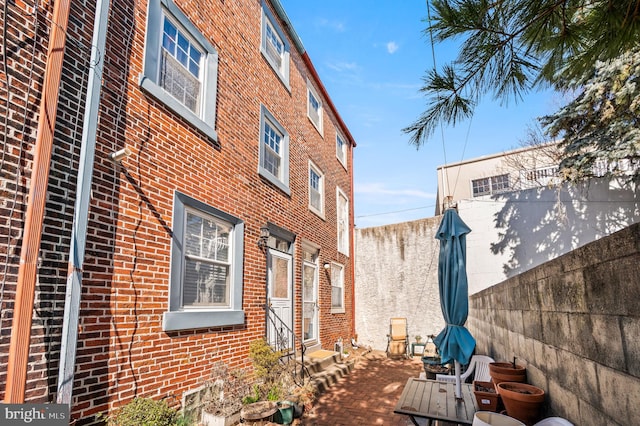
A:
(326, 368)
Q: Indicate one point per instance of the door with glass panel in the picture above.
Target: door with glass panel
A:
(280, 294)
(310, 298)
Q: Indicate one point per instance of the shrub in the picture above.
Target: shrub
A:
(145, 412)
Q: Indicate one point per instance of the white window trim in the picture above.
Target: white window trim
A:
(283, 71)
(344, 160)
(177, 318)
(283, 184)
(205, 122)
(317, 170)
(311, 92)
(342, 309)
(343, 250)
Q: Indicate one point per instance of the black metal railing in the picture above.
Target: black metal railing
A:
(283, 340)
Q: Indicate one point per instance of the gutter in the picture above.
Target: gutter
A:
(81, 210)
(305, 57)
(26, 284)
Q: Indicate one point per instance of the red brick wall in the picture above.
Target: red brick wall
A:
(122, 350)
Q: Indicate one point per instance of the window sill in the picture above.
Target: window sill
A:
(188, 320)
(158, 93)
(338, 311)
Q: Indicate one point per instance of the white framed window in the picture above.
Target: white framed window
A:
(274, 151)
(316, 189)
(274, 45)
(180, 66)
(314, 108)
(337, 288)
(490, 185)
(342, 214)
(341, 150)
(206, 267)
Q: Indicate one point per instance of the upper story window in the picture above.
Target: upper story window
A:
(341, 150)
(180, 66)
(314, 108)
(180, 63)
(274, 45)
(490, 185)
(343, 222)
(274, 151)
(316, 190)
(206, 267)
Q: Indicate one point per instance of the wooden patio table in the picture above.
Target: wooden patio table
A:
(435, 400)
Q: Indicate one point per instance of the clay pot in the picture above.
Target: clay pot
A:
(522, 401)
(507, 372)
(486, 395)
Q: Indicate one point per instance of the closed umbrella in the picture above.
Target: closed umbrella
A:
(454, 341)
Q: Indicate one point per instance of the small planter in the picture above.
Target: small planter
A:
(284, 415)
(507, 372)
(486, 395)
(487, 418)
(432, 367)
(217, 419)
(522, 401)
(258, 411)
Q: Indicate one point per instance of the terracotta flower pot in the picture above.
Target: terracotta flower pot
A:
(486, 395)
(522, 401)
(506, 372)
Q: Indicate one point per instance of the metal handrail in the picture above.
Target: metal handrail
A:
(287, 343)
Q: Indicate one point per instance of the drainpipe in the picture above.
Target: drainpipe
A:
(352, 249)
(25, 287)
(81, 210)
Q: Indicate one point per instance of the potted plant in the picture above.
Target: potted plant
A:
(522, 401)
(507, 372)
(418, 338)
(486, 395)
(223, 396)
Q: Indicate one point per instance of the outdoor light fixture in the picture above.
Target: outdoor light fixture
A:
(326, 265)
(120, 155)
(264, 237)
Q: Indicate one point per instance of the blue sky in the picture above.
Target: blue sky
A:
(371, 57)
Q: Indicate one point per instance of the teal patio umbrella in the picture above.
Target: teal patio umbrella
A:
(454, 342)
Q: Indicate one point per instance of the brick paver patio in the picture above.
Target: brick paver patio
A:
(368, 395)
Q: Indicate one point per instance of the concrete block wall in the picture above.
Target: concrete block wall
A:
(574, 323)
(397, 275)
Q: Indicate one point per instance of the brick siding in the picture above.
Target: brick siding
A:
(122, 351)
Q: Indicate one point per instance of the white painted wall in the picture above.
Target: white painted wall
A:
(514, 232)
(396, 272)
(397, 276)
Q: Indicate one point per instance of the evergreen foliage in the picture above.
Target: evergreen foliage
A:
(510, 47)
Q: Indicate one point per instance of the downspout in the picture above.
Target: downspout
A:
(26, 284)
(81, 210)
(352, 250)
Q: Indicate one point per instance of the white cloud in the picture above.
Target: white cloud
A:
(392, 46)
(376, 188)
(336, 26)
(343, 66)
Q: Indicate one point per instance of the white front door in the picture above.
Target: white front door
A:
(310, 301)
(280, 294)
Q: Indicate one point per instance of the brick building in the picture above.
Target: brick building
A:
(194, 171)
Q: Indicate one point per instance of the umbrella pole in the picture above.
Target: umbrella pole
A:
(458, 384)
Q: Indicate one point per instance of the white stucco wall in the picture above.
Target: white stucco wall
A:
(397, 276)
(514, 232)
(396, 273)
